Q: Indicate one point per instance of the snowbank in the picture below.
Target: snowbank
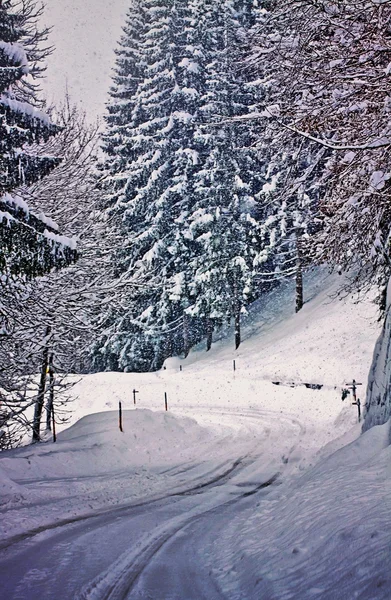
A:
(378, 401)
(324, 537)
(94, 465)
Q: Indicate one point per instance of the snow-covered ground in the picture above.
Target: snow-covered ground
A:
(243, 490)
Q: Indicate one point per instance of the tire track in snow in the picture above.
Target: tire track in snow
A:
(118, 511)
(120, 578)
(117, 582)
(74, 528)
(251, 417)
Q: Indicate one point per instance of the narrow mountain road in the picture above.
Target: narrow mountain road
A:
(159, 548)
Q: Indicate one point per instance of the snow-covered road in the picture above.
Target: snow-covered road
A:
(156, 548)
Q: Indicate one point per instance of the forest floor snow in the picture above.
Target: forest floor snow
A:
(251, 489)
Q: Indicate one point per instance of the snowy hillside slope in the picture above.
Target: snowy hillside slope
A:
(329, 342)
(250, 489)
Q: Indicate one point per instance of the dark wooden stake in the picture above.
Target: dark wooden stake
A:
(353, 387)
(180, 368)
(41, 389)
(120, 417)
(234, 365)
(358, 403)
(54, 426)
(165, 400)
(134, 396)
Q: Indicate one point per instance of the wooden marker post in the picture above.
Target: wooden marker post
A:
(134, 396)
(120, 417)
(353, 387)
(358, 404)
(54, 426)
(234, 365)
(165, 400)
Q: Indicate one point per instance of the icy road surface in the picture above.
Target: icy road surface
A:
(157, 547)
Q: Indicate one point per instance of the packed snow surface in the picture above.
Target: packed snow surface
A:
(244, 489)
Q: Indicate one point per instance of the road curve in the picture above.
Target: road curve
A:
(157, 548)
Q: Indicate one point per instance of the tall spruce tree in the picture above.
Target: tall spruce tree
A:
(156, 185)
(292, 193)
(181, 190)
(230, 177)
(28, 244)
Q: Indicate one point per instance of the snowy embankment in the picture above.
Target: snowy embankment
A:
(379, 383)
(299, 500)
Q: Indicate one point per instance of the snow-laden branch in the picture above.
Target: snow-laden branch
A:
(383, 142)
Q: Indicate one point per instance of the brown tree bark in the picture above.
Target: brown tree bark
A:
(237, 309)
(209, 333)
(50, 404)
(299, 274)
(41, 389)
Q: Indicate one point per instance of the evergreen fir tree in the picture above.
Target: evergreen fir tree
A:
(28, 244)
(227, 185)
(162, 156)
(182, 191)
(292, 194)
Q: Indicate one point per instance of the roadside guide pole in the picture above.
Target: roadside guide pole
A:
(357, 402)
(120, 417)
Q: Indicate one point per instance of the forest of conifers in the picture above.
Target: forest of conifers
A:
(244, 142)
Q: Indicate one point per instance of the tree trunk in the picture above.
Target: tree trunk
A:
(50, 404)
(237, 329)
(237, 308)
(186, 343)
(209, 334)
(299, 274)
(41, 389)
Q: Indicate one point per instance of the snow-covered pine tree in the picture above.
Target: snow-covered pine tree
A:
(128, 73)
(171, 125)
(291, 195)
(28, 244)
(152, 194)
(173, 175)
(222, 221)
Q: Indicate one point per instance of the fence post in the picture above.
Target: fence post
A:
(120, 417)
(165, 400)
(134, 396)
(353, 387)
(234, 365)
(358, 404)
(54, 426)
